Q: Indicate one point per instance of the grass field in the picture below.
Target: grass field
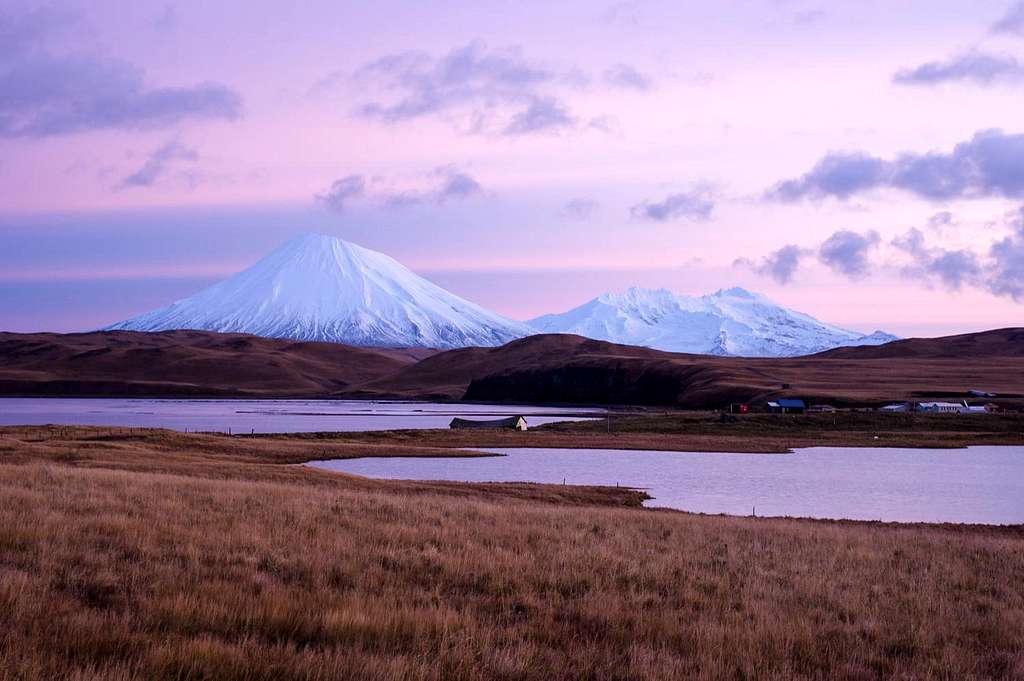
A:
(705, 431)
(154, 555)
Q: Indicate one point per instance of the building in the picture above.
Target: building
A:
(510, 423)
(940, 407)
(950, 408)
(787, 406)
(980, 393)
(898, 408)
(821, 409)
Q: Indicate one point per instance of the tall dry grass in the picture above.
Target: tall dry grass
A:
(144, 573)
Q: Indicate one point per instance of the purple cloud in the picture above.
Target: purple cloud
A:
(48, 95)
(1012, 22)
(626, 77)
(846, 252)
(473, 79)
(157, 164)
(694, 204)
(448, 183)
(989, 164)
(781, 265)
(1006, 277)
(542, 114)
(342, 192)
(976, 67)
(953, 268)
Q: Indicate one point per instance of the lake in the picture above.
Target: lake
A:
(973, 485)
(264, 416)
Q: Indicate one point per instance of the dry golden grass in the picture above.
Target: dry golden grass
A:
(117, 563)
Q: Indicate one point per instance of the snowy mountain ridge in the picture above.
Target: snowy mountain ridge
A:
(321, 288)
(733, 322)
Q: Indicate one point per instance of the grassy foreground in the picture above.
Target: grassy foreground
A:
(154, 555)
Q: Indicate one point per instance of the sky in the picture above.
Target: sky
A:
(861, 161)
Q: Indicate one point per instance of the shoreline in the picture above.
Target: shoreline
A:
(270, 458)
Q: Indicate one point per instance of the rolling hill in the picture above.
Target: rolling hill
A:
(557, 368)
(186, 363)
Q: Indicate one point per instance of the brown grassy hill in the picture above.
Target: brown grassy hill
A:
(186, 363)
(571, 369)
(604, 373)
(996, 343)
(546, 368)
(447, 375)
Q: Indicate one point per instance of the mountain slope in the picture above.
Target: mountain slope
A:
(320, 288)
(730, 322)
(187, 363)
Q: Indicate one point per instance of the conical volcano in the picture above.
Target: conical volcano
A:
(321, 288)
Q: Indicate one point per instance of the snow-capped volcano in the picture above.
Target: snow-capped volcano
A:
(728, 322)
(320, 288)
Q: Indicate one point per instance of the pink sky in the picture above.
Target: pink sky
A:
(528, 157)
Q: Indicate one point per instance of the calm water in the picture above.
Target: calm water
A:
(262, 416)
(974, 485)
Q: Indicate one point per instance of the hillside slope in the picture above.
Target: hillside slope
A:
(186, 363)
(544, 368)
(1007, 342)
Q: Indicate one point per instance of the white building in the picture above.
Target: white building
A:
(950, 408)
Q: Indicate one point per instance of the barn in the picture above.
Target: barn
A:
(510, 423)
(787, 406)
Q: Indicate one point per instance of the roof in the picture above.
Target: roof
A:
(792, 404)
(510, 422)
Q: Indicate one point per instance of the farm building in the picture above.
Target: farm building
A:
(787, 406)
(821, 409)
(510, 423)
(941, 407)
(950, 408)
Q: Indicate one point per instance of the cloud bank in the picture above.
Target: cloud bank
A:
(952, 268)
(975, 67)
(45, 94)
(441, 185)
(991, 164)
(999, 269)
(485, 82)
